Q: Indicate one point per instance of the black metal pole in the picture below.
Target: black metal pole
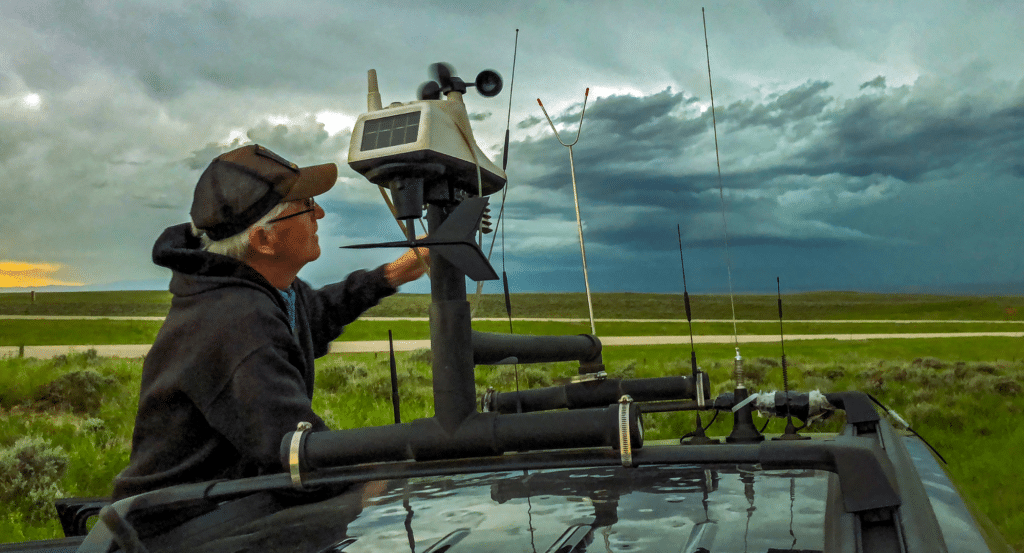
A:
(450, 337)
(395, 402)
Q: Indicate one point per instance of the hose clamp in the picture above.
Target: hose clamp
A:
(293, 454)
(625, 445)
(589, 377)
(488, 400)
(700, 388)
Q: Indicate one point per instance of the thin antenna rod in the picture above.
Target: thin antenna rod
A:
(576, 199)
(686, 299)
(791, 431)
(504, 189)
(743, 429)
(721, 193)
(698, 437)
(511, 87)
(395, 402)
(782, 343)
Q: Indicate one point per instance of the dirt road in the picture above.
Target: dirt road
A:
(139, 350)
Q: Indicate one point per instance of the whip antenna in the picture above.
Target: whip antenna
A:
(575, 197)
(791, 430)
(504, 164)
(721, 197)
(395, 402)
(504, 192)
(697, 436)
(511, 87)
(743, 429)
(501, 212)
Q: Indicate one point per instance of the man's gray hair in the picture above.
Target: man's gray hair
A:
(236, 246)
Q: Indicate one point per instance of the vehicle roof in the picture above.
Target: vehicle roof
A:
(648, 508)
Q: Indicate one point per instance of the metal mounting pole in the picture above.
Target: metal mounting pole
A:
(576, 200)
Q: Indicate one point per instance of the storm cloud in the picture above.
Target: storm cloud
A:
(860, 148)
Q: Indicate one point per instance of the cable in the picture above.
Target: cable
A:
(914, 432)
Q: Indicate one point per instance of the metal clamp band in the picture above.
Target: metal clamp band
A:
(589, 377)
(625, 447)
(700, 388)
(293, 454)
(487, 400)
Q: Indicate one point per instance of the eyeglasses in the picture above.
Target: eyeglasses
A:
(310, 204)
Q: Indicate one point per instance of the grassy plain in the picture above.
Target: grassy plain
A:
(21, 332)
(809, 305)
(65, 423)
(834, 309)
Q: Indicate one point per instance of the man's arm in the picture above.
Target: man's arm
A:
(411, 266)
(332, 307)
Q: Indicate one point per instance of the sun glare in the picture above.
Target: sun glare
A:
(335, 122)
(20, 274)
(32, 101)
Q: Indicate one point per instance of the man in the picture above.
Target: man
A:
(231, 370)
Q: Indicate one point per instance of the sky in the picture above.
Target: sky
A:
(869, 146)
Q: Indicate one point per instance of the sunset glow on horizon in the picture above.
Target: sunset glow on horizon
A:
(21, 274)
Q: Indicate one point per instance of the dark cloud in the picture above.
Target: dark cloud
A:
(791, 107)
(807, 23)
(819, 189)
(859, 147)
(913, 130)
(877, 82)
(529, 122)
(168, 48)
(619, 133)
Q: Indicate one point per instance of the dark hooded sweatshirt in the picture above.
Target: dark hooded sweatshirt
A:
(227, 377)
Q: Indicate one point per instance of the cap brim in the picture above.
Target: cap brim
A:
(313, 181)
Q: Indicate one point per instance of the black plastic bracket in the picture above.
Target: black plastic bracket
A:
(859, 409)
(75, 512)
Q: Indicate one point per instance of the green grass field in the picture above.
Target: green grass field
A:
(834, 307)
(63, 433)
(18, 332)
(810, 305)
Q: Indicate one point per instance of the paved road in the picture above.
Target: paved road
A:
(139, 350)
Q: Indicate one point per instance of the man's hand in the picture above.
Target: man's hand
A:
(407, 268)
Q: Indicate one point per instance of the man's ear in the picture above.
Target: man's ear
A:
(260, 241)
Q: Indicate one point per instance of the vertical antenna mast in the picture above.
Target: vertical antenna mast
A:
(721, 197)
(395, 402)
(698, 435)
(791, 432)
(743, 429)
(504, 193)
(504, 165)
(575, 198)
